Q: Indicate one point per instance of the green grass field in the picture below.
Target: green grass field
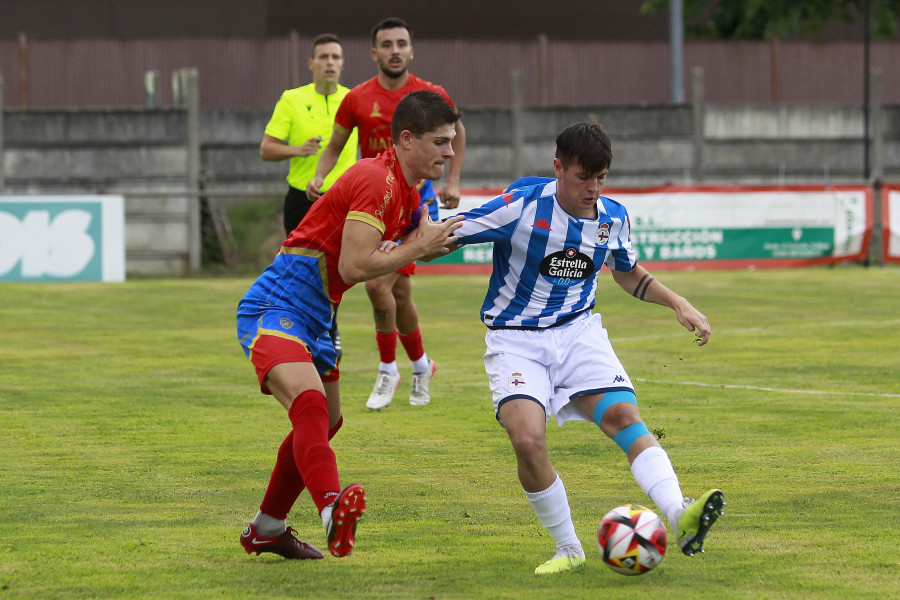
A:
(135, 446)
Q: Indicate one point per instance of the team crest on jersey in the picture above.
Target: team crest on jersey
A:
(376, 110)
(568, 264)
(285, 323)
(602, 235)
(516, 381)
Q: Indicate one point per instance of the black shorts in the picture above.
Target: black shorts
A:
(296, 205)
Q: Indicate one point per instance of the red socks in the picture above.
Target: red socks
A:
(286, 483)
(337, 426)
(387, 345)
(412, 343)
(313, 456)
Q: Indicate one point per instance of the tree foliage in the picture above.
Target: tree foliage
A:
(767, 19)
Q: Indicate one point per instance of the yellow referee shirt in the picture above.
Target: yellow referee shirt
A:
(302, 113)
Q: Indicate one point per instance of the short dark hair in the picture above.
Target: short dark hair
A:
(324, 38)
(421, 112)
(389, 23)
(585, 144)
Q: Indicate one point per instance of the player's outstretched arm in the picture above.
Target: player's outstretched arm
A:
(327, 160)
(449, 241)
(639, 283)
(364, 257)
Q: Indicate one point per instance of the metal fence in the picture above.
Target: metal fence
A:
(252, 72)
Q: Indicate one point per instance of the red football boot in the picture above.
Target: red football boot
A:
(286, 544)
(348, 508)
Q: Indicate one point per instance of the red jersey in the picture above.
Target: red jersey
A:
(373, 191)
(370, 108)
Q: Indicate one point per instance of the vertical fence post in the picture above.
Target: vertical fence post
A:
(177, 89)
(151, 89)
(517, 116)
(543, 73)
(676, 51)
(192, 105)
(774, 70)
(2, 161)
(697, 104)
(876, 249)
(293, 59)
(23, 70)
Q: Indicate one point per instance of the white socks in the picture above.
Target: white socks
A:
(552, 508)
(418, 366)
(389, 368)
(653, 471)
(421, 365)
(326, 515)
(268, 526)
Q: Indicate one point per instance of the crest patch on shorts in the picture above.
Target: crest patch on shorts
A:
(285, 322)
(516, 381)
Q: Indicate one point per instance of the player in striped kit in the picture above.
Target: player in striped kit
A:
(548, 353)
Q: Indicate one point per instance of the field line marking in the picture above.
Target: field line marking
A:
(766, 389)
(762, 329)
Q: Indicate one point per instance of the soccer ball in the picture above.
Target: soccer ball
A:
(631, 539)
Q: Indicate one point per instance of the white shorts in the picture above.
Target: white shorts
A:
(552, 366)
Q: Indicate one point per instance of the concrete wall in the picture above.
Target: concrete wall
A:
(144, 154)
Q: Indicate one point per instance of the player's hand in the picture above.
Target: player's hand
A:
(312, 189)
(694, 321)
(450, 195)
(434, 239)
(311, 146)
(386, 246)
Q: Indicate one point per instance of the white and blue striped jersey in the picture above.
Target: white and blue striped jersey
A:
(545, 260)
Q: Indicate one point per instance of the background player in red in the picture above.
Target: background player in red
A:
(284, 318)
(369, 107)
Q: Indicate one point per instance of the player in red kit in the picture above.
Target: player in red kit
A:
(368, 107)
(284, 318)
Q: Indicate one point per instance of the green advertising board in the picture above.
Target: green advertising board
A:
(62, 238)
(739, 225)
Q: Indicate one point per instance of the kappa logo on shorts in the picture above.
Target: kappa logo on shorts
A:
(618, 379)
(602, 235)
(285, 322)
(516, 381)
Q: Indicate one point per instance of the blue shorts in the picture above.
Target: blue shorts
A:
(285, 317)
